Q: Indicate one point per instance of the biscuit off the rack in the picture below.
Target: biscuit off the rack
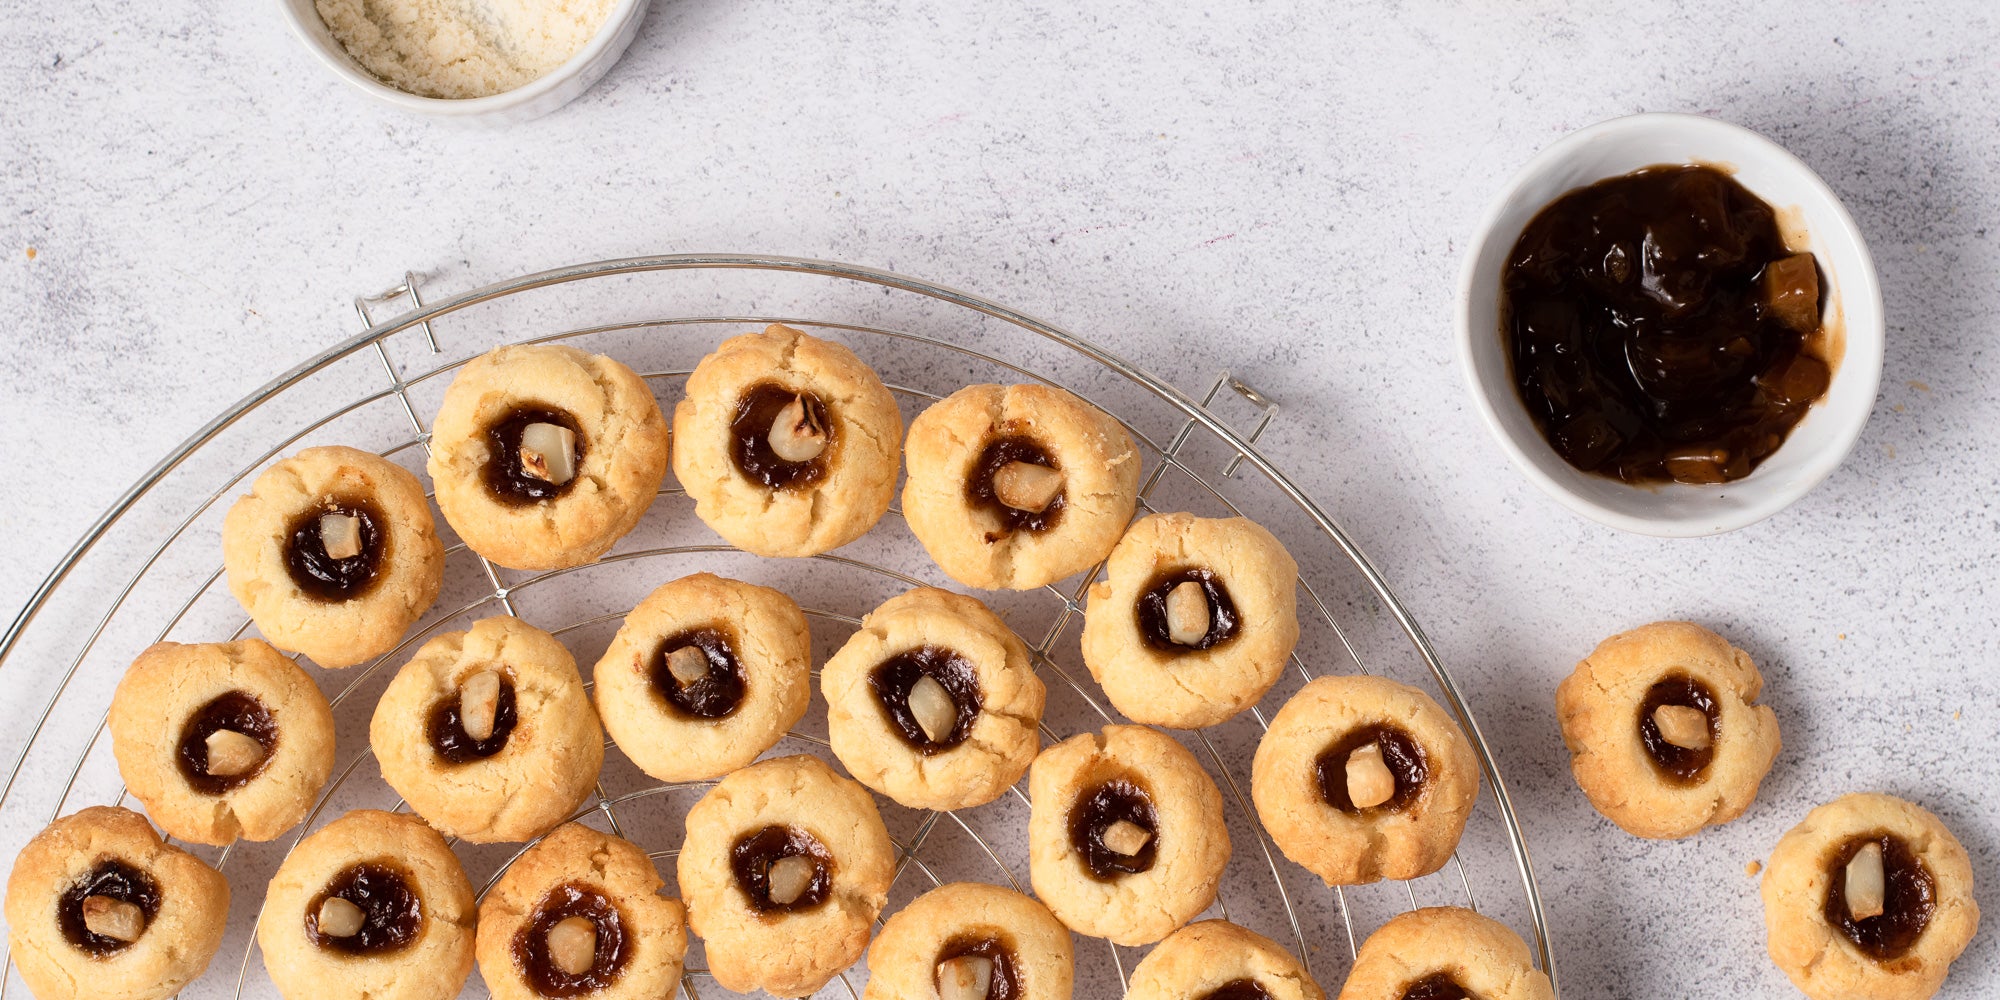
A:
(1362, 778)
(543, 456)
(1869, 897)
(971, 941)
(333, 554)
(1445, 953)
(579, 913)
(221, 740)
(933, 702)
(787, 443)
(1663, 729)
(785, 867)
(1013, 487)
(1217, 960)
(372, 906)
(489, 734)
(1195, 619)
(98, 908)
(706, 674)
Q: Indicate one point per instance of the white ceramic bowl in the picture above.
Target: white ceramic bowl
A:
(530, 100)
(1854, 306)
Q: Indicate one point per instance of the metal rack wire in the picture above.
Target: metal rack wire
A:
(955, 334)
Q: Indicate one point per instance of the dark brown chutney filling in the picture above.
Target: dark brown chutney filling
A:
(714, 696)
(1908, 898)
(1238, 989)
(238, 712)
(1438, 986)
(752, 857)
(1404, 757)
(322, 576)
(447, 730)
(1679, 764)
(979, 486)
(506, 478)
(112, 879)
(1006, 981)
(1658, 328)
(531, 942)
(1152, 610)
(893, 679)
(392, 914)
(1114, 800)
(750, 437)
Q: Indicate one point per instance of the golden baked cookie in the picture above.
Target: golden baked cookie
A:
(933, 702)
(1868, 898)
(1362, 778)
(788, 443)
(785, 867)
(961, 934)
(488, 734)
(221, 740)
(1217, 959)
(580, 913)
(1445, 951)
(1126, 839)
(544, 456)
(1664, 733)
(1194, 620)
(98, 908)
(705, 675)
(280, 542)
(1012, 487)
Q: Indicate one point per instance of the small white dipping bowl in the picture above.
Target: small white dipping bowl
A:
(1854, 310)
(530, 100)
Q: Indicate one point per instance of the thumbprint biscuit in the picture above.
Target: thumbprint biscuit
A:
(544, 456)
(933, 702)
(1194, 621)
(1362, 778)
(788, 443)
(705, 675)
(1013, 487)
(972, 940)
(221, 740)
(99, 908)
(333, 553)
(1445, 953)
(488, 733)
(1664, 733)
(1126, 839)
(1217, 960)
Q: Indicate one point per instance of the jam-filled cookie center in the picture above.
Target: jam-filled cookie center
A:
(930, 695)
(1238, 989)
(978, 967)
(573, 943)
(697, 672)
(108, 908)
(1019, 483)
(534, 453)
(1879, 894)
(333, 551)
(1115, 830)
(367, 909)
(1373, 767)
(1186, 609)
(782, 869)
(1679, 721)
(226, 742)
(781, 437)
(1437, 986)
(474, 722)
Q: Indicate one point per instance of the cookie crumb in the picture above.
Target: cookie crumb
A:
(1753, 867)
(31, 253)
(1919, 386)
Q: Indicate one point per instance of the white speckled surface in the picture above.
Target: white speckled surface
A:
(1275, 188)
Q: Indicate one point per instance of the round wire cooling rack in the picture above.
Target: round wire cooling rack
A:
(68, 647)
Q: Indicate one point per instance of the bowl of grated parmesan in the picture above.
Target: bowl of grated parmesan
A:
(489, 61)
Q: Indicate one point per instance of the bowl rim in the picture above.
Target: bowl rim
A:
(1860, 288)
(335, 58)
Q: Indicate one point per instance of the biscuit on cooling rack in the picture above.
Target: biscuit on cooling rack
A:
(1215, 958)
(1445, 951)
(971, 932)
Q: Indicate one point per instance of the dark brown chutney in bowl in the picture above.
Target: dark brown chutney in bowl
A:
(1658, 328)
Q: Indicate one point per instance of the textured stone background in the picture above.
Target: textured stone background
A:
(187, 204)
